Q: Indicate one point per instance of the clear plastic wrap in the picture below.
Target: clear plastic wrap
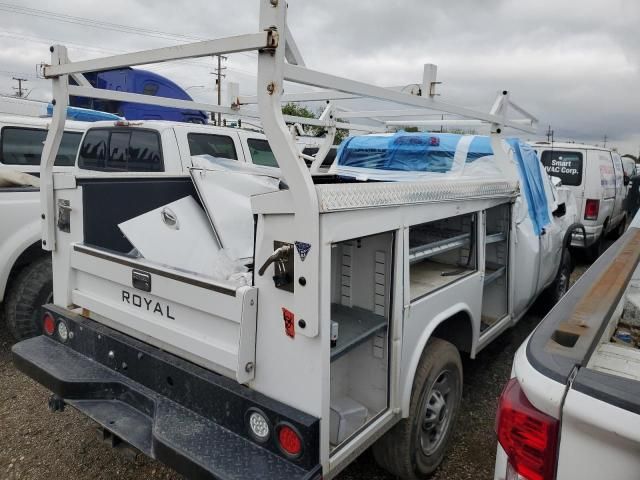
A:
(431, 157)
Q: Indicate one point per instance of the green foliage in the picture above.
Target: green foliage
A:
(297, 110)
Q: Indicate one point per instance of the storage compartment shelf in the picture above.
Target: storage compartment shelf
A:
(493, 272)
(418, 254)
(355, 326)
(496, 237)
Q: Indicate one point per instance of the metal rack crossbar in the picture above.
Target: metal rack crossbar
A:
(279, 60)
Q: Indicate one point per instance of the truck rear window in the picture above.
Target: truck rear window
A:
(220, 146)
(261, 153)
(567, 166)
(23, 146)
(121, 150)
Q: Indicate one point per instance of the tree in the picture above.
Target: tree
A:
(297, 110)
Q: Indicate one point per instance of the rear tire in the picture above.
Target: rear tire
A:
(30, 289)
(416, 445)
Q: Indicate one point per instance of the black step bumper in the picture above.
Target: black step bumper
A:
(183, 415)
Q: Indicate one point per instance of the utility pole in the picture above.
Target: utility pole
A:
(19, 89)
(605, 141)
(549, 134)
(219, 77)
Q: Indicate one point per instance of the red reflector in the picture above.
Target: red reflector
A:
(591, 209)
(528, 436)
(48, 324)
(434, 141)
(289, 440)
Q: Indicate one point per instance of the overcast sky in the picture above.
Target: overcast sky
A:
(574, 64)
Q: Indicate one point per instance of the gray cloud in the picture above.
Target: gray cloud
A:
(575, 64)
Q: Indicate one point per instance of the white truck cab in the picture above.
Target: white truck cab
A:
(25, 269)
(156, 146)
(234, 323)
(596, 177)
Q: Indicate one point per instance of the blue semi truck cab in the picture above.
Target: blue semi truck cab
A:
(138, 81)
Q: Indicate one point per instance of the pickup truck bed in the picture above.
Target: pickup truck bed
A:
(578, 372)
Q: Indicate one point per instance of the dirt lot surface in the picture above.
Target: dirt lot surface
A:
(37, 444)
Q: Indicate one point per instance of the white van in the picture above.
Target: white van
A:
(595, 176)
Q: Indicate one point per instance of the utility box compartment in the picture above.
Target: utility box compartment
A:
(361, 276)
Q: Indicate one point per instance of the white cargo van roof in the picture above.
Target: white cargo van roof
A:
(569, 145)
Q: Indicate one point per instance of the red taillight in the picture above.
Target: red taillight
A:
(591, 209)
(289, 440)
(528, 436)
(48, 324)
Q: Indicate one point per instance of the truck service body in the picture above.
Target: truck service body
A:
(360, 295)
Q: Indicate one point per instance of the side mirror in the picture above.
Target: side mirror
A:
(626, 180)
(560, 211)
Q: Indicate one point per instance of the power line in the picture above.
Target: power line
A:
(88, 22)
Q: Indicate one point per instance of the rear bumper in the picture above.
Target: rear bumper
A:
(183, 415)
(593, 234)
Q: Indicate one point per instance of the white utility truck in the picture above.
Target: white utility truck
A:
(25, 269)
(151, 146)
(572, 407)
(596, 178)
(234, 323)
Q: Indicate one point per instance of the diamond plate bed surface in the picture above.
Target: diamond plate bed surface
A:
(348, 196)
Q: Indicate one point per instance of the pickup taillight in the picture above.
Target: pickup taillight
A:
(591, 209)
(528, 436)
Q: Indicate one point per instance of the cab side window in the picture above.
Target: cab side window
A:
(261, 153)
(121, 150)
(220, 146)
(23, 146)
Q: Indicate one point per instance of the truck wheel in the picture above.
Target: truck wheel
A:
(560, 285)
(30, 289)
(416, 445)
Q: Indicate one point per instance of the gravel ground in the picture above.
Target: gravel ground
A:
(36, 444)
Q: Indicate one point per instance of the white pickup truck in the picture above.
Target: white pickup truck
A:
(572, 407)
(25, 269)
(357, 297)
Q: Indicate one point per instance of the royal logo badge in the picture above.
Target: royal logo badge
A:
(303, 249)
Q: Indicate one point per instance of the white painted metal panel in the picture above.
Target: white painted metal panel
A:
(177, 234)
(226, 196)
(176, 315)
(598, 440)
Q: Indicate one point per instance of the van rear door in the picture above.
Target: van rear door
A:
(569, 166)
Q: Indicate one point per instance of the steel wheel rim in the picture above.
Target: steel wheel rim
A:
(436, 414)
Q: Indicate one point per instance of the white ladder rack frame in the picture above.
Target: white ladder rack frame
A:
(273, 70)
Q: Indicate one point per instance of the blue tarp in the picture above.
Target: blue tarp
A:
(85, 114)
(403, 151)
(433, 155)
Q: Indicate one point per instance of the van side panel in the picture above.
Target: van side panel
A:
(602, 184)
